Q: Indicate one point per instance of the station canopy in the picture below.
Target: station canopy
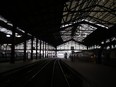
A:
(59, 21)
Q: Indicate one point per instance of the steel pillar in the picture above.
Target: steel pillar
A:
(36, 47)
(40, 50)
(25, 47)
(32, 48)
(12, 59)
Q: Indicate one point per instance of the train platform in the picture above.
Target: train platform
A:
(100, 75)
(6, 66)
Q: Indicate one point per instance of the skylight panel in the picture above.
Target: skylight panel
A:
(4, 30)
(3, 19)
(8, 32)
(83, 31)
(20, 30)
(66, 38)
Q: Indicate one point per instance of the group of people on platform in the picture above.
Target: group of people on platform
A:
(72, 56)
(75, 56)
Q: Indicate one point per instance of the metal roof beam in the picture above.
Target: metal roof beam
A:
(69, 10)
(111, 11)
(82, 22)
(100, 20)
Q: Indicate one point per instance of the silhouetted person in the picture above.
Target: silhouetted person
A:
(65, 55)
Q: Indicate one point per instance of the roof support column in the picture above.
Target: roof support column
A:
(25, 47)
(47, 51)
(12, 59)
(32, 48)
(40, 50)
(43, 49)
(110, 44)
(56, 52)
(99, 59)
(36, 47)
(87, 47)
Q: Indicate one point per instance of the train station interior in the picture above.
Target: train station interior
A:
(58, 43)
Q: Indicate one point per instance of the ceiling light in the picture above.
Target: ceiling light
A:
(8, 35)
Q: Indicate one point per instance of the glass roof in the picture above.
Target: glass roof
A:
(83, 31)
(101, 13)
(8, 32)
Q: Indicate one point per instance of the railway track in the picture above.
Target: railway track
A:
(45, 73)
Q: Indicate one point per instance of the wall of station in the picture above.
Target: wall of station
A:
(5, 51)
(66, 48)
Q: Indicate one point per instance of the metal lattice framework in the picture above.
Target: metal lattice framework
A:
(59, 21)
(101, 13)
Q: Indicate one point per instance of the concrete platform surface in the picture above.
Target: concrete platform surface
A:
(6, 66)
(100, 75)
